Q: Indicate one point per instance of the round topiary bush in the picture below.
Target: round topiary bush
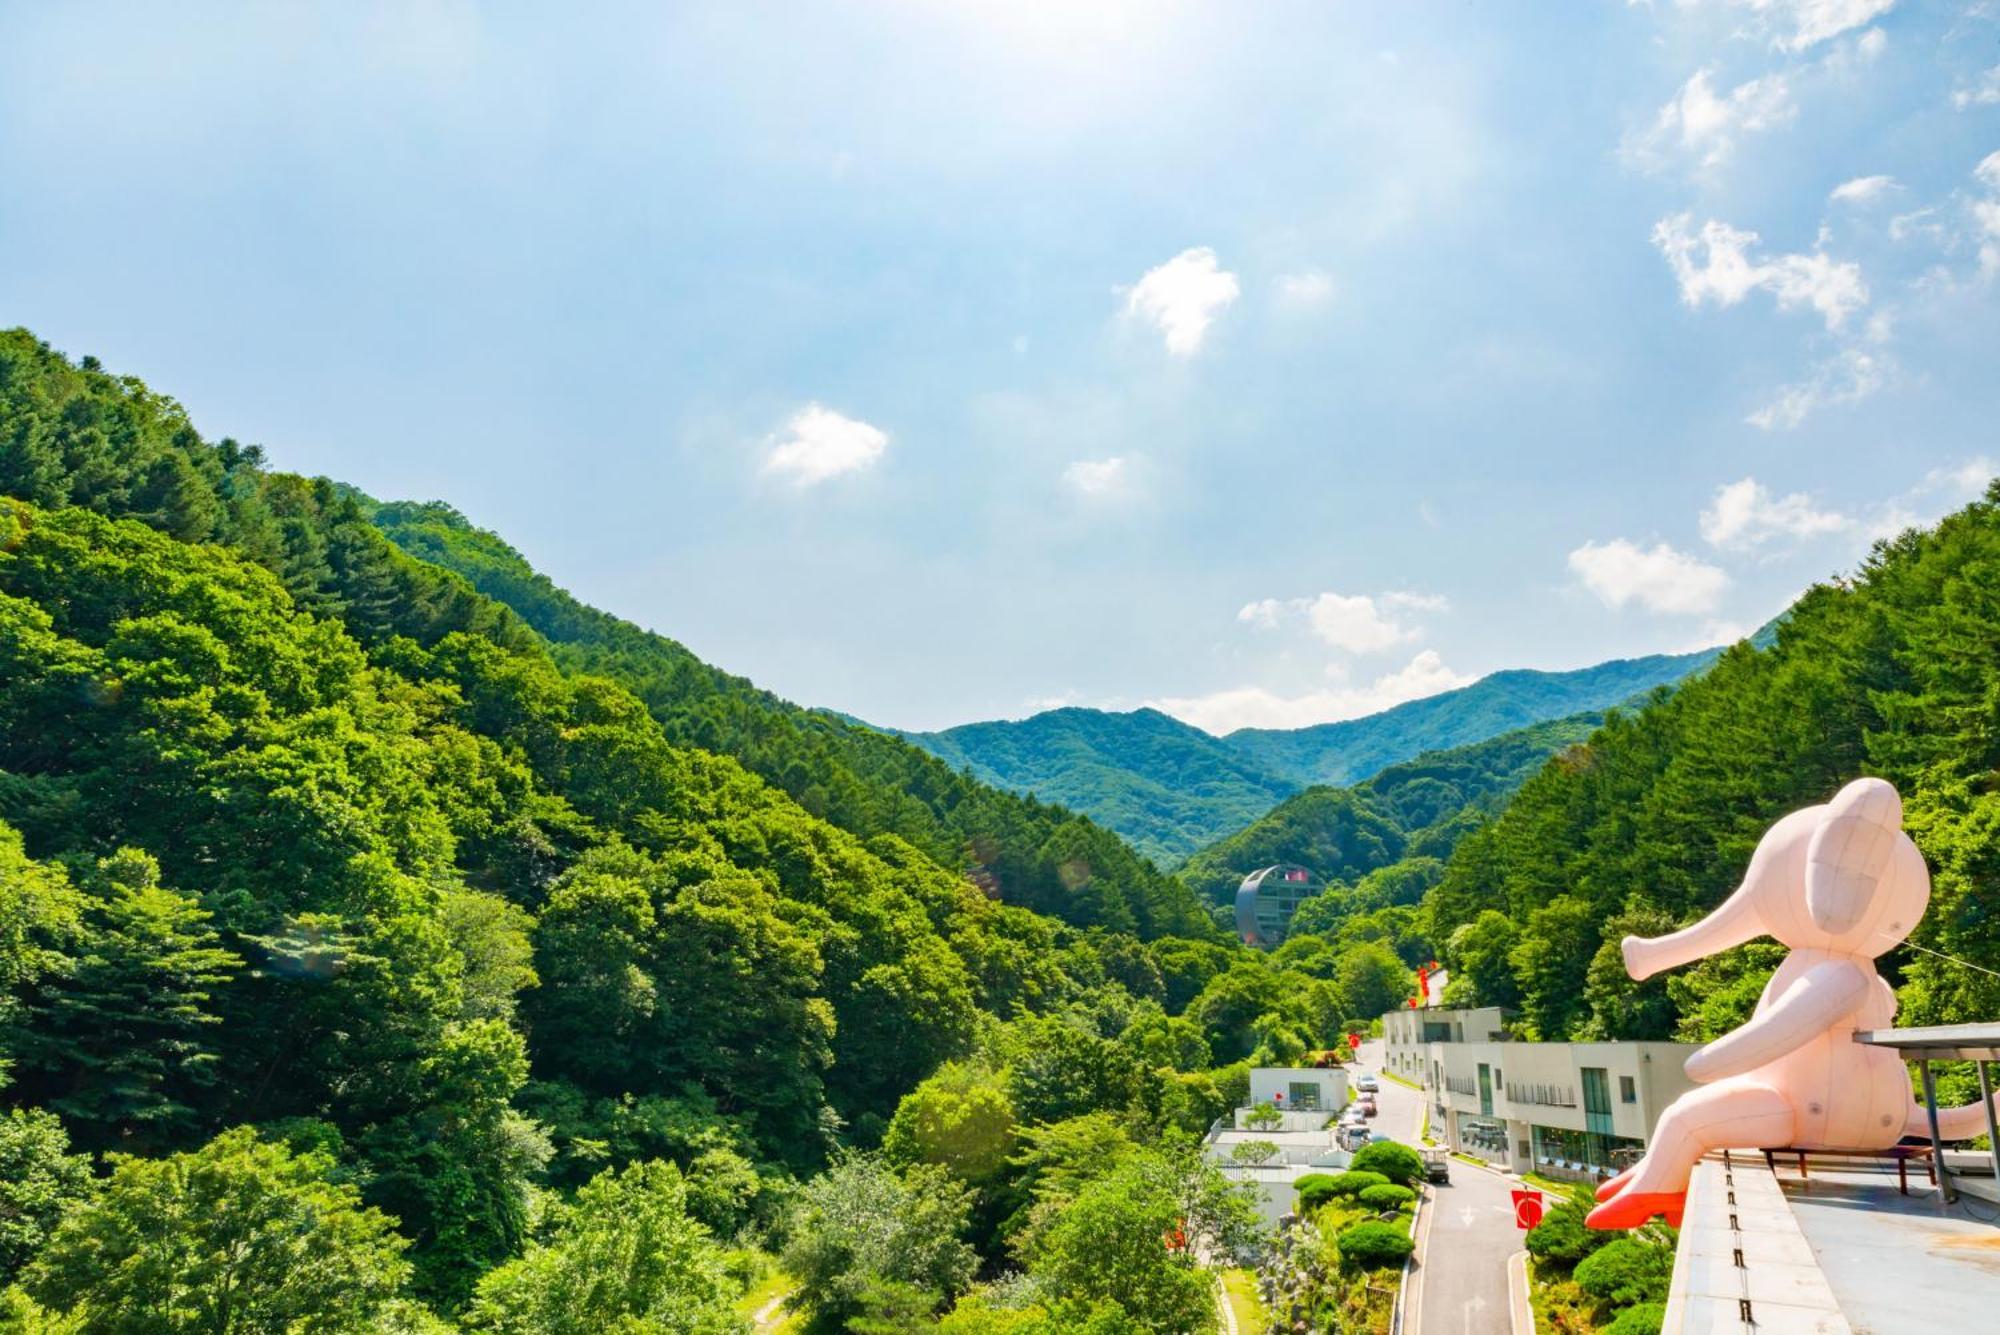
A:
(1645, 1319)
(1387, 1196)
(1316, 1189)
(1398, 1163)
(1625, 1271)
(1561, 1236)
(1374, 1246)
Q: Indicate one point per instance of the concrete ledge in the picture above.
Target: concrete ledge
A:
(1740, 1244)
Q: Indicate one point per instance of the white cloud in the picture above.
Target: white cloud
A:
(1862, 189)
(819, 443)
(1309, 288)
(1264, 614)
(1984, 92)
(1814, 21)
(1660, 579)
(1939, 492)
(1704, 124)
(1849, 377)
(1182, 298)
(1356, 623)
(1727, 272)
(1254, 707)
(1986, 214)
(1099, 478)
(1746, 515)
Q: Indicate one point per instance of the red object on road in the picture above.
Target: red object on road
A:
(1354, 1040)
(1527, 1208)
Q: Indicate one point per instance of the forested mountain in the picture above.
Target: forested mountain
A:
(1172, 789)
(1166, 786)
(372, 961)
(1416, 811)
(1350, 751)
(1650, 823)
(863, 780)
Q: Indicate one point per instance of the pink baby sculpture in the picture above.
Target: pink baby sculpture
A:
(1840, 884)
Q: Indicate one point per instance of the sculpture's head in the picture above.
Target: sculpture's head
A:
(1842, 877)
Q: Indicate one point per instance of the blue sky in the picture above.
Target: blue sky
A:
(937, 361)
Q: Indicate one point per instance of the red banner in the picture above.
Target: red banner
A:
(1527, 1208)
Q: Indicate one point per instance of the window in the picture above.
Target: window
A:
(1627, 1091)
(1596, 1100)
(1303, 1095)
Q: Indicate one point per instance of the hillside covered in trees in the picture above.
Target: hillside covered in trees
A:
(1173, 790)
(1649, 823)
(1411, 812)
(376, 956)
(1166, 786)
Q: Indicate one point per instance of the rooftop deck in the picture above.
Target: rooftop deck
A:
(1895, 1262)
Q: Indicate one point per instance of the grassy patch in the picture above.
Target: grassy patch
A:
(1407, 1084)
(775, 1283)
(1239, 1290)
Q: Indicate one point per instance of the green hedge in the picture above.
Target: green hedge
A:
(1374, 1246)
(1387, 1196)
(1398, 1163)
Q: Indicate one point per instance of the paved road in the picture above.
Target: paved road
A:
(1462, 1283)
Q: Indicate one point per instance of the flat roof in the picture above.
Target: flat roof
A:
(1943, 1042)
(1897, 1262)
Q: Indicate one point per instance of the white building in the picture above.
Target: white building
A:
(1299, 1088)
(1271, 1157)
(1580, 1110)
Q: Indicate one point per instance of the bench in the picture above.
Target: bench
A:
(1901, 1154)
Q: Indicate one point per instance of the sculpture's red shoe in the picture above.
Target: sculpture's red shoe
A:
(1630, 1209)
(1611, 1186)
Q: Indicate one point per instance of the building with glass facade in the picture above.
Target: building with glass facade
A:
(1576, 1110)
(1266, 901)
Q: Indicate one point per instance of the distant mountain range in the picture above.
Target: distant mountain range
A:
(1172, 789)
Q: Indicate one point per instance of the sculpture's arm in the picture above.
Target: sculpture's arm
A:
(1820, 998)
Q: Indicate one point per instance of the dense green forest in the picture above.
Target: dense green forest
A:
(370, 960)
(1413, 812)
(390, 943)
(1894, 672)
(860, 779)
(1174, 790)
(1167, 787)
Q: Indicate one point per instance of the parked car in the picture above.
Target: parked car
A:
(1351, 1137)
(1367, 1105)
(1367, 1083)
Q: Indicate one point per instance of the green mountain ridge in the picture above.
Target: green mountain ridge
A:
(1351, 750)
(1164, 785)
(1415, 810)
(1172, 789)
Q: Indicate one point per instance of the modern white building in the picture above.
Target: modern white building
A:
(1271, 1156)
(1577, 1110)
(1299, 1088)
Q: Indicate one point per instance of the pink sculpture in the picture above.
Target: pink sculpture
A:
(1840, 884)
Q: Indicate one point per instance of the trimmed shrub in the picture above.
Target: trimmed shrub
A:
(1561, 1238)
(1374, 1246)
(1645, 1319)
(1387, 1196)
(1316, 1189)
(1626, 1271)
(1398, 1163)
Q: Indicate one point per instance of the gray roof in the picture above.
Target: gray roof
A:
(1944, 1042)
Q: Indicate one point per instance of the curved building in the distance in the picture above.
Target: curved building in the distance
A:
(1266, 901)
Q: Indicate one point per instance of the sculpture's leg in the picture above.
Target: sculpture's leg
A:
(1735, 1114)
